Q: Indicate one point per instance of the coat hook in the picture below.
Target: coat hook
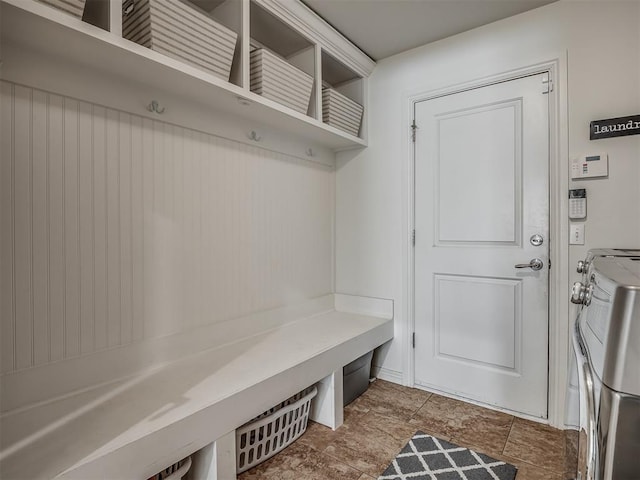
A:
(154, 106)
(310, 152)
(254, 136)
(128, 7)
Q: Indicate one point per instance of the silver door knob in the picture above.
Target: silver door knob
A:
(536, 240)
(534, 264)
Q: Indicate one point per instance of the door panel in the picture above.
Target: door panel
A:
(481, 192)
(479, 147)
(467, 331)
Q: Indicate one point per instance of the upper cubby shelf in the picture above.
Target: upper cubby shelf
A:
(268, 43)
(343, 96)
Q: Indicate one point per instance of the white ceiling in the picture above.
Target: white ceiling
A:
(385, 27)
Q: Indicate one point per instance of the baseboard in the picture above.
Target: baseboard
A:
(572, 414)
(387, 374)
(375, 307)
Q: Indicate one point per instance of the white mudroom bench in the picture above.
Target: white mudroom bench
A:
(129, 413)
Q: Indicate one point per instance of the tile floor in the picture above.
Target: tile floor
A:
(383, 419)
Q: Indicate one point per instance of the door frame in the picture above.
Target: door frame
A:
(558, 348)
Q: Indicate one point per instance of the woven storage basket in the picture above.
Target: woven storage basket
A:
(340, 111)
(275, 79)
(182, 32)
(72, 7)
(272, 431)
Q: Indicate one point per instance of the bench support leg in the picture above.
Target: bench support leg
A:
(327, 406)
(216, 461)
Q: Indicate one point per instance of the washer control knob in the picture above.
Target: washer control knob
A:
(587, 295)
(577, 293)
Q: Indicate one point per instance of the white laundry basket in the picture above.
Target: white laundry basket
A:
(177, 471)
(275, 429)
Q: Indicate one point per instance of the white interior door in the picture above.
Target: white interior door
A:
(481, 193)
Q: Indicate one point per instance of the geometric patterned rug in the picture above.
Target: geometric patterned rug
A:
(429, 458)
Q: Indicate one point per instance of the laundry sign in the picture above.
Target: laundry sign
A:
(615, 127)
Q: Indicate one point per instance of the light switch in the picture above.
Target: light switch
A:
(576, 234)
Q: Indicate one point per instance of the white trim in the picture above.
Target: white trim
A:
(308, 23)
(387, 374)
(115, 18)
(375, 307)
(572, 417)
(558, 204)
(366, 102)
(408, 218)
(245, 44)
(558, 243)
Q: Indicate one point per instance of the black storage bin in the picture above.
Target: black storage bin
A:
(355, 378)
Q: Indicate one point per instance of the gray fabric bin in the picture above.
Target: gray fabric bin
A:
(355, 378)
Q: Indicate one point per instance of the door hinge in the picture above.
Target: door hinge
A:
(413, 340)
(413, 237)
(547, 85)
(414, 127)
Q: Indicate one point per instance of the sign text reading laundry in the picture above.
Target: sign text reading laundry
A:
(615, 127)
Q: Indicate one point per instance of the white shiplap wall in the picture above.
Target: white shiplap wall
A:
(115, 228)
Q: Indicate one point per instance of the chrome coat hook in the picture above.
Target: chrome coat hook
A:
(254, 136)
(154, 107)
